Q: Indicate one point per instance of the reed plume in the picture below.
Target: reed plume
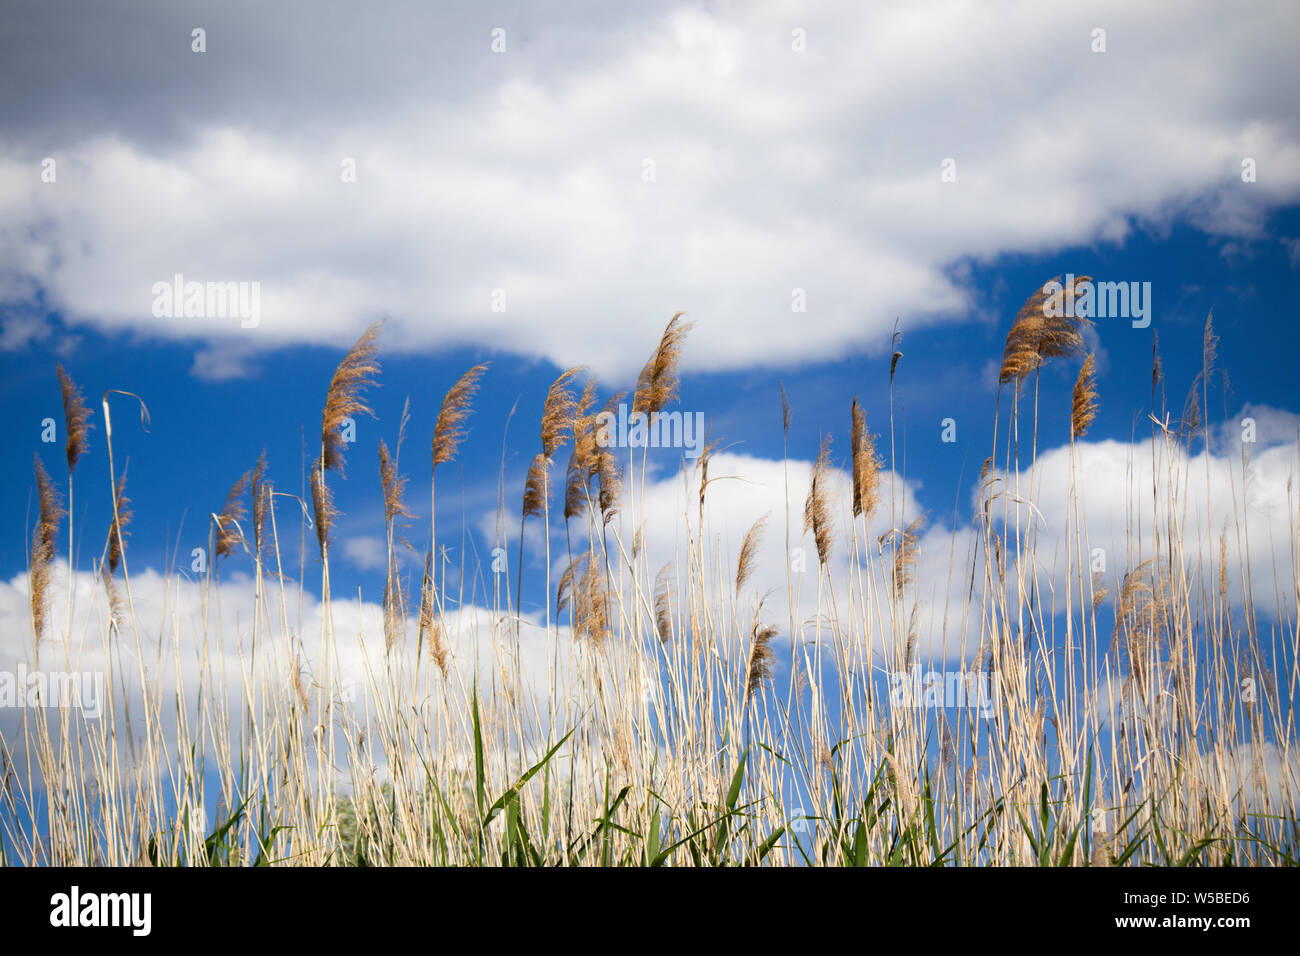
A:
(913, 634)
(1223, 566)
(748, 552)
(564, 591)
(582, 464)
(1036, 335)
(657, 384)
(322, 503)
(866, 465)
(439, 650)
(450, 431)
(535, 487)
(611, 486)
(232, 514)
(787, 415)
(394, 486)
(575, 487)
(558, 414)
(702, 463)
(122, 516)
(905, 554)
(1209, 346)
(261, 498)
(591, 609)
(898, 354)
(76, 419)
(1084, 408)
(1140, 618)
(1157, 368)
(664, 604)
(758, 669)
(344, 398)
(42, 556)
(816, 509)
(1099, 590)
(116, 546)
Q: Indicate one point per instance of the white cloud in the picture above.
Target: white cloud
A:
(368, 553)
(1251, 505)
(774, 170)
(197, 650)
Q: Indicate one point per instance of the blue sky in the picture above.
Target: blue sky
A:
(203, 435)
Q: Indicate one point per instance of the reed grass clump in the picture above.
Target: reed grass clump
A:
(645, 711)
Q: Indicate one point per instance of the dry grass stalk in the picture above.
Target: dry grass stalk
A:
(1084, 407)
(786, 414)
(344, 399)
(816, 509)
(76, 419)
(657, 384)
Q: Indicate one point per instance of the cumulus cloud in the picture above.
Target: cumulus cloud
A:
(197, 651)
(367, 552)
(1250, 503)
(612, 167)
